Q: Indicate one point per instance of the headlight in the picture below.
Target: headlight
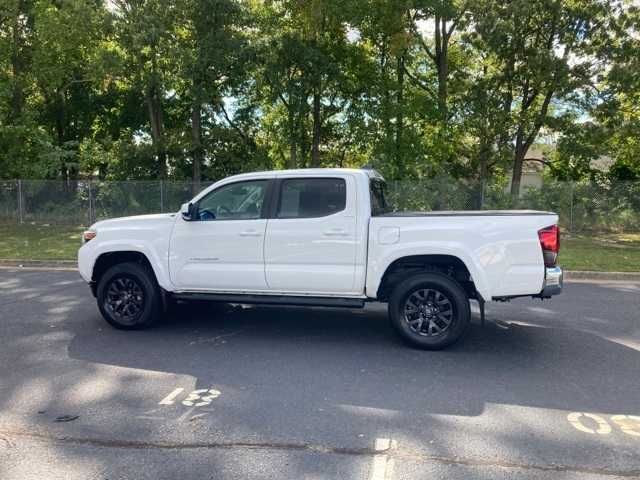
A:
(88, 235)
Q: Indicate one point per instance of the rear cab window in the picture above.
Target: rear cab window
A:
(377, 190)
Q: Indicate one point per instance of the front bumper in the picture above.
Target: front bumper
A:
(86, 259)
(552, 282)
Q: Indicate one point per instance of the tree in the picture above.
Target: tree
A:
(213, 59)
(146, 35)
(307, 66)
(418, 88)
(544, 49)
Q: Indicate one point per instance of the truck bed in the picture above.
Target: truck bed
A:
(467, 213)
(500, 248)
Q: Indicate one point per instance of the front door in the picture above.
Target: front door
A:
(222, 249)
(311, 239)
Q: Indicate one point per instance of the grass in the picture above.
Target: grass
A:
(615, 252)
(39, 242)
(603, 252)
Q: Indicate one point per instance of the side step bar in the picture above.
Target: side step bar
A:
(273, 299)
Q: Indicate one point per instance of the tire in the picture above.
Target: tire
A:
(129, 297)
(437, 299)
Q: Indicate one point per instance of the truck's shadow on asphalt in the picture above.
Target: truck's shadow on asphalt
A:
(354, 358)
(323, 377)
(568, 354)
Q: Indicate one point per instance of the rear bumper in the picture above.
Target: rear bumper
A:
(553, 282)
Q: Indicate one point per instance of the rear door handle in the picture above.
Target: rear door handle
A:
(250, 233)
(335, 232)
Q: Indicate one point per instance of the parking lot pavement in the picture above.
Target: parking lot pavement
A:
(544, 389)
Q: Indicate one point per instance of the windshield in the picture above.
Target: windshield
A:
(379, 205)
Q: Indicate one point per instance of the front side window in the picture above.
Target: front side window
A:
(311, 197)
(236, 201)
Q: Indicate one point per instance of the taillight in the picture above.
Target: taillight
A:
(550, 243)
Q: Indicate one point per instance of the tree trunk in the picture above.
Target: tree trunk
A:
(483, 159)
(293, 154)
(196, 143)
(441, 37)
(525, 140)
(400, 116)
(486, 142)
(317, 129)
(60, 128)
(386, 117)
(518, 160)
(157, 129)
(302, 138)
(17, 67)
(484, 155)
(293, 147)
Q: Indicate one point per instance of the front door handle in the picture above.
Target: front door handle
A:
(335, 232)
(250, 233)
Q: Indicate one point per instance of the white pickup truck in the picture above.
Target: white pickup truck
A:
(320, 237)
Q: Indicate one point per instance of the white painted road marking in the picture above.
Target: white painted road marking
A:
(169, 399)
(382, 467)
(197, 398)
(575, 419)
(628, 424)
(192, 399)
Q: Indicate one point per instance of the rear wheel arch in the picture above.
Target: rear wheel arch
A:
(403, 267)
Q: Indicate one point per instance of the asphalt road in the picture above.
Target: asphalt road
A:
(550, 390)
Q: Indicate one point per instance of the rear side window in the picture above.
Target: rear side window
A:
(311, 197)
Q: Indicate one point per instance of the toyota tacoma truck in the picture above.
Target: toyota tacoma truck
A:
(320, 237)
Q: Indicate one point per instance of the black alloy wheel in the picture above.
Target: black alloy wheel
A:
(129, 297)
(429, 310)
(124, 299)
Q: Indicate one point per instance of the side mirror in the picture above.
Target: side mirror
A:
(188, 211)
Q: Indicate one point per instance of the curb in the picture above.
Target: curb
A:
(41, 264)
(606, 276)
(568, 274)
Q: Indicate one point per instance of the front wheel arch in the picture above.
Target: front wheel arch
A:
(110, 259)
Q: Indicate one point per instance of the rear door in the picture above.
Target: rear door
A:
(310, 244)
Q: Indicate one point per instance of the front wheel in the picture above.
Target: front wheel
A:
(430, 310)
(128, 297)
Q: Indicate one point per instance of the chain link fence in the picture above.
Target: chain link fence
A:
(585, 206)
(582, 206)
(83, 202)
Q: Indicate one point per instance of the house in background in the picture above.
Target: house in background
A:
(534, 164)
(532, 169)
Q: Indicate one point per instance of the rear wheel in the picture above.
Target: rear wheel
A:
(128, 297)
(430, 310)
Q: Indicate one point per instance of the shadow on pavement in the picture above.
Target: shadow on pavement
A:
(308, 375)
(352, 356)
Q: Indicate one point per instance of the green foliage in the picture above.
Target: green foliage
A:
(422, 90)
(438, 193)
